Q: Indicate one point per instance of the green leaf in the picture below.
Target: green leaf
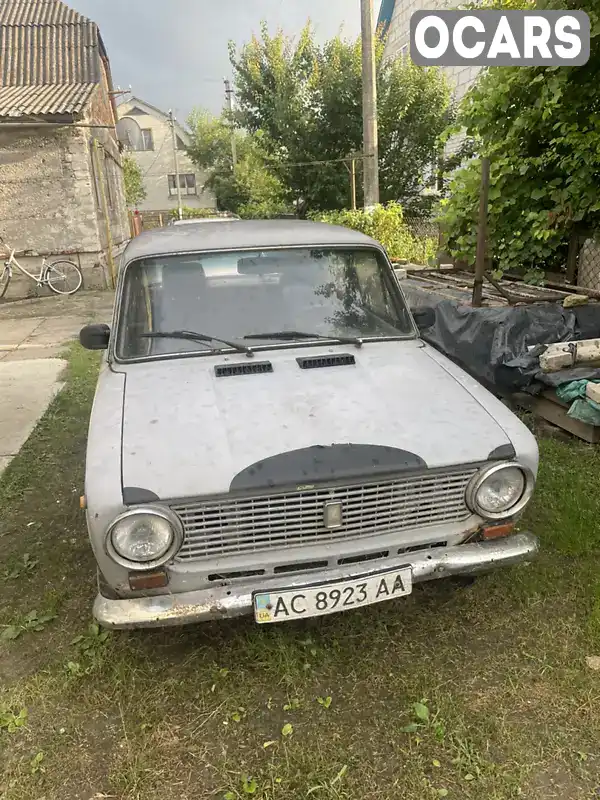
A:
(340, 775)
(10, 633)
(324, 701)
(421, 712)
(412, 727)
(266, 745)
(436, 763)
(442, 792)
(250, 786)
(469, 777)
(287, 729)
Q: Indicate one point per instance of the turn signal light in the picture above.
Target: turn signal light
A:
(498, 531)
(148, 580)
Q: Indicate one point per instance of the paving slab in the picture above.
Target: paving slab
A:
(33, 334)
(26, 390)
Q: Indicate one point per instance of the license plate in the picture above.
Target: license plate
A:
(319, 599)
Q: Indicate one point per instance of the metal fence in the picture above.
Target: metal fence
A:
(588, 264)
(423, 227)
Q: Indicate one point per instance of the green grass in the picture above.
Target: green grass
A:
(494, 676)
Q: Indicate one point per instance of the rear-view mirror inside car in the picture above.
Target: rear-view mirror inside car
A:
(259, 265)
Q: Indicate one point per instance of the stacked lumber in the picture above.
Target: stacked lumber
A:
(566, 355)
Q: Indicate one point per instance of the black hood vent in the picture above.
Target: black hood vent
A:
(251, 368)
(321, 362)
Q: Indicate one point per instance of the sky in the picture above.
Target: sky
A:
(174, 53)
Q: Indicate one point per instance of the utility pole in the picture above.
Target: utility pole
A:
(229, 93)
(370, 136)
(176, 158)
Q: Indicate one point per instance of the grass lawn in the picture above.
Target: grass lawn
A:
(481, 693)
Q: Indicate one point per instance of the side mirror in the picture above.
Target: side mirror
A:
(424, 317)
(95, 337)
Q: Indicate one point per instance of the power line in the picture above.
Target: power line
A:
(328, 161)
(157, 156)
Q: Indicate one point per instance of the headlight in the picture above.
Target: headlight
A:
(144, 538)
(500, 491)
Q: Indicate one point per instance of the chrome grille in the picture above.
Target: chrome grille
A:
(228, 526)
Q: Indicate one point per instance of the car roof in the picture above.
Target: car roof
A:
(242, 235)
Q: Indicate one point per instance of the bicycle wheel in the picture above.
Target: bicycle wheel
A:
(63, 277)
(4, 281)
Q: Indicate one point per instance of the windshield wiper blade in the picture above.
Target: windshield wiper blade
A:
(192, 336)
(290, 336)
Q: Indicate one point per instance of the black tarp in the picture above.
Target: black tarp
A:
(492, 343)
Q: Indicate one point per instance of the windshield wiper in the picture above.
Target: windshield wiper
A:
(192, 336)
(290, 336)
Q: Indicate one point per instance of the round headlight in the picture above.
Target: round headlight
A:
(500, 491)
(143, 538)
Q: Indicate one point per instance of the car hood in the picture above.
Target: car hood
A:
(187, 432)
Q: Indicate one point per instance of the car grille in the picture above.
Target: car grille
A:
(228, 526)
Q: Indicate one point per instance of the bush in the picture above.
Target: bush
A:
(386, 224)
(196, 213)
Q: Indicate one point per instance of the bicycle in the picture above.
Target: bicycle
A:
(62, 277)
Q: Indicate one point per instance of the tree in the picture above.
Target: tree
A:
(135, 191)
(306, 100)
(540, 126)
(251, 189)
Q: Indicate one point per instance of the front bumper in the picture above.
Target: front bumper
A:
(231, 601)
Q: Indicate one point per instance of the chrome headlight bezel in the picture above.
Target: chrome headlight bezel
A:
(479, 479)
(145, 511)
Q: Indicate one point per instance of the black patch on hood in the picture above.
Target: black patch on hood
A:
(133, 496)
(325, 463)
(505, 451)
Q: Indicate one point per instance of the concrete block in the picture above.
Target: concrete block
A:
(561, 355)
(592, 390)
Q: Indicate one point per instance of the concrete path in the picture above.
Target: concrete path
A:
(33, 334)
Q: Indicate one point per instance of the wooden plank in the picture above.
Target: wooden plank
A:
(556, 412)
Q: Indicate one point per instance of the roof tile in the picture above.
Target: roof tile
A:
(17, 102)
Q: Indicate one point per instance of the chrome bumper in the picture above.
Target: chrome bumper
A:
(232, 601)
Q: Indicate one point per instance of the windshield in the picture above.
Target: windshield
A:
(240, 295)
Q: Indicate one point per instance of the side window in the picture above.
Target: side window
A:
(373, 286)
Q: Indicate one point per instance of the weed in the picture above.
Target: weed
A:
(36, 763)
(21, 567)
(12, 722)
(33, 621)
(325, 701)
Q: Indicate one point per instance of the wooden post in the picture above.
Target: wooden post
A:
(480, 258)
(160, 219)
(109, 239)
(353, 179)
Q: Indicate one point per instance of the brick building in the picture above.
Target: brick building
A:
(61, 176)
(394, 18)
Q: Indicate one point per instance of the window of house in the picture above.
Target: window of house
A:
(147, 139)
(186, 182)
